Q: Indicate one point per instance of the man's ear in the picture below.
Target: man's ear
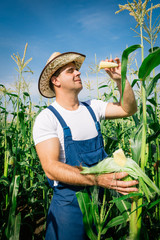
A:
(55, 81)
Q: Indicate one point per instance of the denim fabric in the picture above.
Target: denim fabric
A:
(65, 220)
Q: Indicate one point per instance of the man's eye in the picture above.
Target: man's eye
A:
(71, 70)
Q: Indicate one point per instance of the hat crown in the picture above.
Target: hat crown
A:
(56, 61)
(55, 54)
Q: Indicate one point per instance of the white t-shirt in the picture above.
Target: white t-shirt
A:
(80, 122)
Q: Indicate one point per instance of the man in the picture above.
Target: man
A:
(67, 135)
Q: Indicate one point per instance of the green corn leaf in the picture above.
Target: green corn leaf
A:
(103, 86)
(12, 94)
(136, 119)
(124, 62)
(95, 205)
(152, 101)
(145, 189)
(26, 94)
(152, 85)
(33, 151)
(154, 126)
(153, 49)
(151, 205)
(136, 143)
(5, 181)
(11, 220)
(124, 197)
(124, 207)
(134, 82)
(17, 225)
(115, 221)
(148, 64)
(84, 202)
(15, 192)
(153, 136)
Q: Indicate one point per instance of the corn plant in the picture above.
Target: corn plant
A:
(25, 194)
(119, 163)
(139, 10)
(97, 213)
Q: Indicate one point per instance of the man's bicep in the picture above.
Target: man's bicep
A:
(48, 152)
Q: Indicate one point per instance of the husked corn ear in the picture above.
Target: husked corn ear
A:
(104, 64)
(119, 157)
(119, 163)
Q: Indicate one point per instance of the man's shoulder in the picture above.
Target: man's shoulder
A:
(94, 102)
(90, 102)
(45, 113)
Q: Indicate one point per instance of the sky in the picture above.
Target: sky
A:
(90, 27)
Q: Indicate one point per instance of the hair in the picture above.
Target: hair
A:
(51, 85)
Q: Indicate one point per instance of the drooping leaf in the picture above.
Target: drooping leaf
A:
(136, 120)
(134, 82)
(153, 49)
(152, 85)
(152, 101)
(12, 94)
(124, 62)
(26, 94)
(5, 181)
(103, 86)
(148, 64)
(153, 136)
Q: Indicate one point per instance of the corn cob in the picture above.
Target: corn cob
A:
(104, 64)
(119, 157)
(122, 164)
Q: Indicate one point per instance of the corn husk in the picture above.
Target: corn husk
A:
(109, 165)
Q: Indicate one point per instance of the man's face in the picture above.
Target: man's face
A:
(69, 78)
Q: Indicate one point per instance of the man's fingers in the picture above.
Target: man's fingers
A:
(117, 60)
(124, 184)
(125, 190)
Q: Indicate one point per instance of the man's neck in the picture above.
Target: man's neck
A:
(69, 103)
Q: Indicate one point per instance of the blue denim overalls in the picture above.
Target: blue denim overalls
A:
(65, 220)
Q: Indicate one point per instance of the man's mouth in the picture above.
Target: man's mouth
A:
(78, 80)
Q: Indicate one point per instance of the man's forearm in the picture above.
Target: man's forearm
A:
(129, 103)
(70, 175)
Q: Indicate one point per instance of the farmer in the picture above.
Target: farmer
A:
(67, 134)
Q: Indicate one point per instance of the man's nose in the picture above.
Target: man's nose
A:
(77, 72)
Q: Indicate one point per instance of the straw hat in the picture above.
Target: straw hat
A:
(56, 61)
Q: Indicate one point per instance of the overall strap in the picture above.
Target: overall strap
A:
(66, 129)
(93, 116)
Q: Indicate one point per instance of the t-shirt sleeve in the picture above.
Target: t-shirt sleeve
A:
(45, 127)
(99, 108)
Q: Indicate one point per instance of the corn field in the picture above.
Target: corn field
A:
(24, 190)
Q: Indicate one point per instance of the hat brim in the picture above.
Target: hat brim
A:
(52, 66)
